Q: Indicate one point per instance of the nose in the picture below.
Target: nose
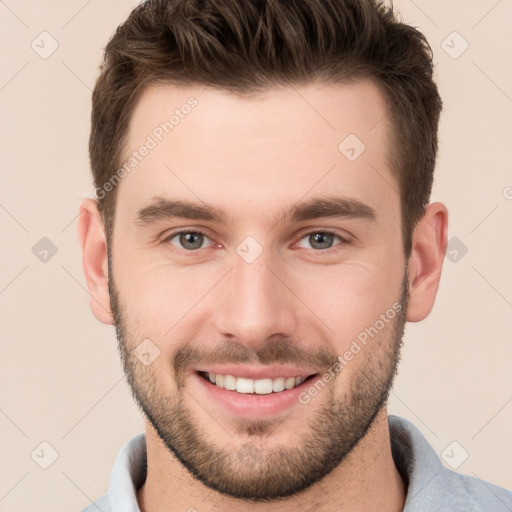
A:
(255, 304)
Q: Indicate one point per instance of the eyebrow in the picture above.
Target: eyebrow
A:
(330, 207)
(162, 208)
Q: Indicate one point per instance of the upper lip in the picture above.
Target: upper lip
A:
(255, 373)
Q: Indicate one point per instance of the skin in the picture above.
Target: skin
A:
(255, 159)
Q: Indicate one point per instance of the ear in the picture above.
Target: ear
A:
(426, 261)
(91, 236)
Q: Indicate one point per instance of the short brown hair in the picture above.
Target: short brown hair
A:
(245, 46)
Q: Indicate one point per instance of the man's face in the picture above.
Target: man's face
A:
(247, 243)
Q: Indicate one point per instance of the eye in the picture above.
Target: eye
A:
(190, 240)
(320, 240)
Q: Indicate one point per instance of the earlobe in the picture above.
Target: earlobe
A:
(426, 261)
(93, 243)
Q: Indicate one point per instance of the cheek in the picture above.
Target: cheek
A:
(349, 299)
(158, 298)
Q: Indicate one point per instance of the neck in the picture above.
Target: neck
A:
(367, 479)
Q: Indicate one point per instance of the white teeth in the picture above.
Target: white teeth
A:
(244, 385)
(229, 382)
(259, 386)
(263, 386)
(289, 383)
(278, 384)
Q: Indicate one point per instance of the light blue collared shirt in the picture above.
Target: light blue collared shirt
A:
(430, 486)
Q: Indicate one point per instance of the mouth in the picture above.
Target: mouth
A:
(248, 391)
(246, 386)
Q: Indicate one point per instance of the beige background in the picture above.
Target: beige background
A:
(60, 378)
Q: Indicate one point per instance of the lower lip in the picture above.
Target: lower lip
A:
(251, 405)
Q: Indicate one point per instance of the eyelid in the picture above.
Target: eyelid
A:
(344, 240)
(169, 236)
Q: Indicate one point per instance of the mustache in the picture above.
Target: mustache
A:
(276, 350)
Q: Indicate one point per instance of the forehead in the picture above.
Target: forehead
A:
(273, 149)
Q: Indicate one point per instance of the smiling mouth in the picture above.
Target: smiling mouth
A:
(254, 386)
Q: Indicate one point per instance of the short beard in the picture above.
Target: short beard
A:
(247, 473)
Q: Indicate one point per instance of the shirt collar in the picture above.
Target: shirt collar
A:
(128, 474)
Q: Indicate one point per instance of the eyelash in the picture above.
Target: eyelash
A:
(343, 241)
(181, 231)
